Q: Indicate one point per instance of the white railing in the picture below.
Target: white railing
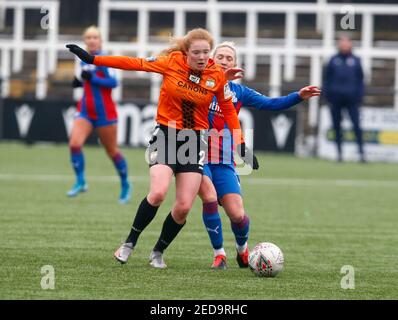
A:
(249, 49)
(285, 54)
(46, 49)
(2, 15)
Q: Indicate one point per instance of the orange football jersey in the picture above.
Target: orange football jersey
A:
(184, 97)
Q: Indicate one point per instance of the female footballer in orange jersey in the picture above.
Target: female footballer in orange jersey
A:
(190, 80)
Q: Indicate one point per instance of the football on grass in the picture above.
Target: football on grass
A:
(266, 259)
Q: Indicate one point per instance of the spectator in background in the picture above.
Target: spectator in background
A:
(344, 89)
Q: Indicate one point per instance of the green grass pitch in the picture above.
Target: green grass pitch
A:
(322, 214)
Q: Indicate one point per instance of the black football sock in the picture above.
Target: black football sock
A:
(145, 214)
(169, 232)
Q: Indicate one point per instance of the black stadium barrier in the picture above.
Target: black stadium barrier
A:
(51, 121)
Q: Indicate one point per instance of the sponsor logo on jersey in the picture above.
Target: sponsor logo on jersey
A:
(234, 98)
(194, 79)
(227, 92)
(215, 108)
(210, 83)
(151, 59)
(191, 87)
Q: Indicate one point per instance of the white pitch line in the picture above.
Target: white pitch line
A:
(57, 178)
(251, 181)
(322, 182)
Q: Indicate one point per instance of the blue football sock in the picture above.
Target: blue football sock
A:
(77, 159)
(241, 230)
(212, 221)
(121, 166)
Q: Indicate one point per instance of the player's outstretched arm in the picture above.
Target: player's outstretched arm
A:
(157, 64)
(254, 99)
